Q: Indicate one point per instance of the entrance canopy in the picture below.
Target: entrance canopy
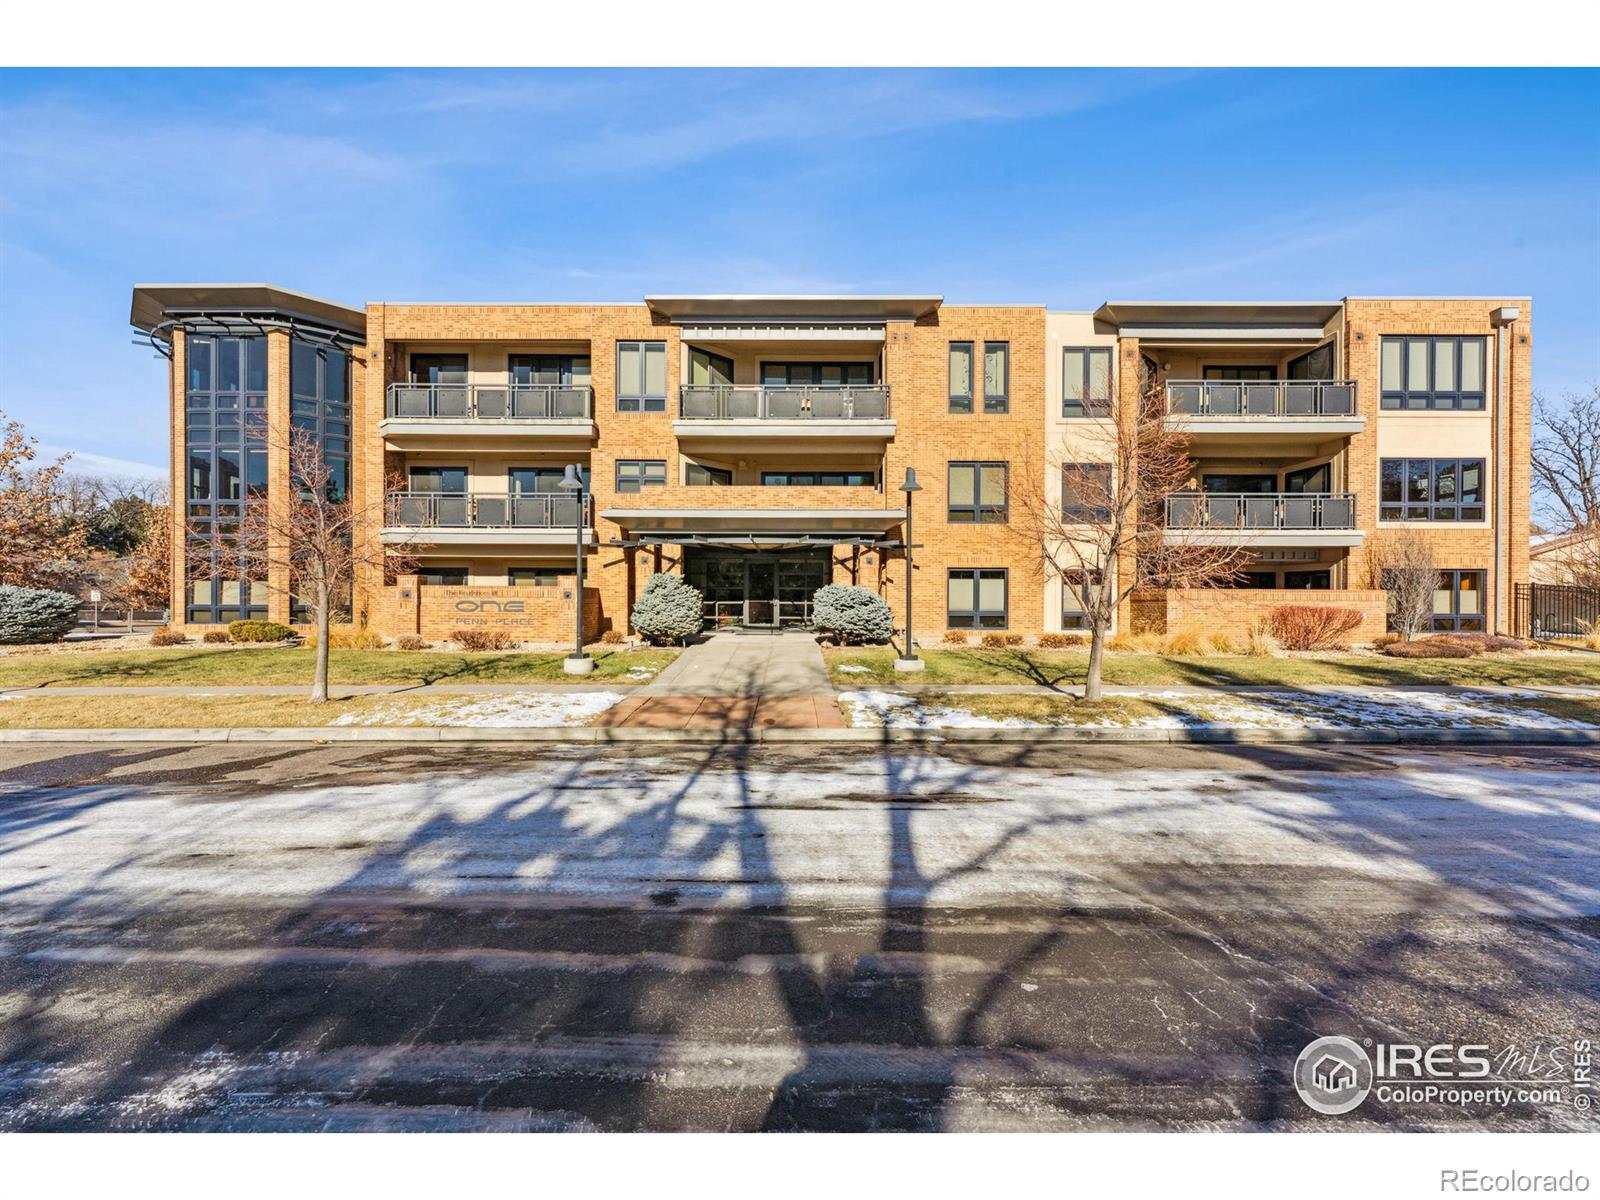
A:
(743, 526)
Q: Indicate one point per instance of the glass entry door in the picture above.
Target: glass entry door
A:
(761, 592)
(755, 589)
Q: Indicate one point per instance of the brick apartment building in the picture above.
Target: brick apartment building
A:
(757, 444)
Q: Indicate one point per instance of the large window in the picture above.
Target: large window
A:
(559, 370)
(996, 376)
(960, 377)
(448, 481)
(977, 493)
(1458, 601)
(1240, 374)
(1085, 492)
(319, 404)
(443, 576)
(709, 370)
(1074, 606)
(1431, 489)
(1314, 580)
(439, 368)
(819, 478)
(976, 599)
(815, 374)
(700, 476)
(1432, 372)
(634, 474)
(225, 400)
(532, 576)
(1313, 364)
(1085, 381)
(641, 377)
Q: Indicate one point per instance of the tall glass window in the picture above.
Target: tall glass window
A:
(225, 403)
(1085, 382)
(319, 405)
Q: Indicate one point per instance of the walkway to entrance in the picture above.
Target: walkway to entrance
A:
(746, 663)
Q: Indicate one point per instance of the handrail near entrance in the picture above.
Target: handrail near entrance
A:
(1261, 510)
(1243, 400)
(787, 402)
(490, 401)
(463, 510)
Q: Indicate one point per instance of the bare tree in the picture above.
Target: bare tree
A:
(311, 544)
(1402, 563)
(1107, 532)
(40, 546)
(1566, 459)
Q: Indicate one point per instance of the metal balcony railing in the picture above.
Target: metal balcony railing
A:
(461, 510)
(1246, 400)
(1261, 510)
(491, 401)
(789, 402)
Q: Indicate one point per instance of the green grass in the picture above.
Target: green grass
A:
(179, 666)
(1066, 667)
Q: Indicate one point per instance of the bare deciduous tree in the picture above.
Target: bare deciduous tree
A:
(39, 546)
(1403, 564)
(316, 537)
(1566, 459)
(1107, 533)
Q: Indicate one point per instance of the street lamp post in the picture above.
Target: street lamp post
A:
(577, 663)
(908, 661)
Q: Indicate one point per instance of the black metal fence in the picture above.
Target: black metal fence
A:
(1549, 610)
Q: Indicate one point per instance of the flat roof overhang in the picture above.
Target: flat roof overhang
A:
(777, 436)
(744, 522)
(434, 433)
(1264, 432)
(1268, 537)
(1219, 313)
(793, 309)
(423, 541)
(237, 307)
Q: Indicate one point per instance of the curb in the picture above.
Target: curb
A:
(591, 735)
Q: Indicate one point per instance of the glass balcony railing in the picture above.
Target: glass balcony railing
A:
(1219, 511)
(789, 402)
(491, 401)
(461, 510)
(1247, 400)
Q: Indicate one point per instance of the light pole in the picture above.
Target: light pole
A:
(908, 661)
(577, 663)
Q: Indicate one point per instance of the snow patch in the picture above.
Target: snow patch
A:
(517, 710)
(853, 669)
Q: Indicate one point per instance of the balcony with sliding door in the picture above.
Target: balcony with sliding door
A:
(520, 400)
(445, 507)
(1301, 519)
(1262, 412)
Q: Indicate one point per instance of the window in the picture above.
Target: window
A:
(1431, 489)
(1314, 364)
(709, 370)
(450, 481)
(996, 376)
(819, 479)
(1085, 381)
(977, 493)
(976, 599)
(641, 377)
(556, 370)
(1319, 580)
(532, 576)
(443, 576)
(633, 474)
(1458, 601)
(960, 377)
(816, 374)
(439, 368)
(1260, 580)
(1085, 491)
(1241, 374)
(1432, 372)
(1308, 479)
(1073, 604)
(697, 476)
(319, 403)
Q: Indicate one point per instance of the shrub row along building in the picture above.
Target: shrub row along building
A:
(757, 444)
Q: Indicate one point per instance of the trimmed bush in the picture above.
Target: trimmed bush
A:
(1060, 641)
(668, 610)
(993, 641)
(1431, 647)
(216, 637)
(851, 615)
(481, 639)
(167, 637)
(410, 641)
(1312, 626)
(29, 616)
(257, 631)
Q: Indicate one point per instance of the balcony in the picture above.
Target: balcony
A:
(484, 519)
(1282, 410)
(1264, 518)
(781, 413)
(422, 416)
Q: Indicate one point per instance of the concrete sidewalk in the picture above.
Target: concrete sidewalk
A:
(747, 663)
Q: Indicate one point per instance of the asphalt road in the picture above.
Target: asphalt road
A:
(1068, 937)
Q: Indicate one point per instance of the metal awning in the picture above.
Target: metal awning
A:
(755, 542)
(237, 309)
(826, 524)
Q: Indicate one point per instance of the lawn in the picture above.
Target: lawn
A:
(854, 667)
(191, 665)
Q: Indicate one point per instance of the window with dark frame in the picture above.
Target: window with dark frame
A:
(816, 374)
(559, 370)
(1314, 580)
(1240, 374)
(532, 576)
(439, 368)
(641, 377)
(1086, 381)
(1458, 601)
(443, 576)
(1085, 492)
(1432, 372)
(996, 377)
(1431, 489)
(975, 598)
(819, 479)
(960, 377)
(977, 493)
(636, 473)
(696, 475)
(1074, 613)
(1313, 364)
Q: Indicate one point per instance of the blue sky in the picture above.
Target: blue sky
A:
(1064, 187)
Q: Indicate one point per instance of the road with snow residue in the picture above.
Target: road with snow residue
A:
(873, 937)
